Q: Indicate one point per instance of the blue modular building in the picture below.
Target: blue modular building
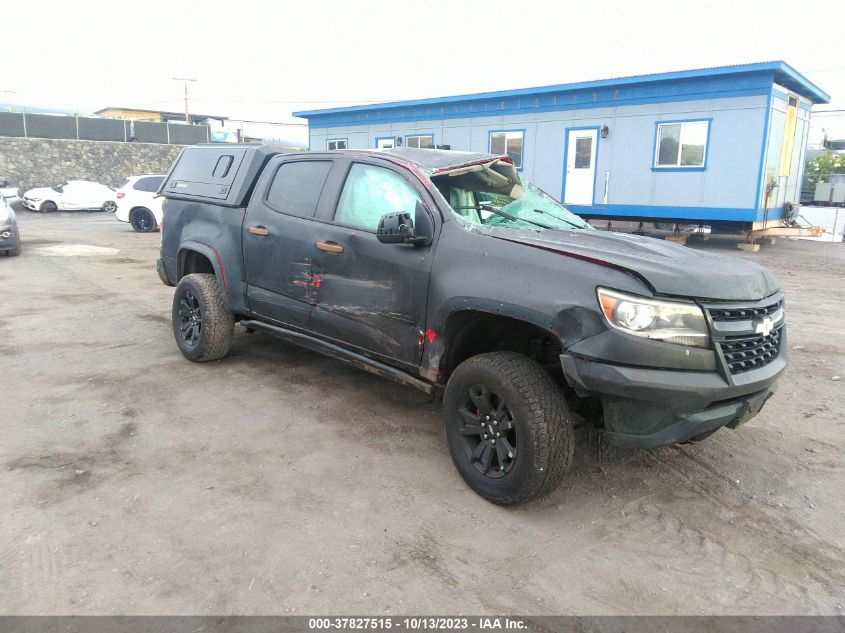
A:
(695, 145)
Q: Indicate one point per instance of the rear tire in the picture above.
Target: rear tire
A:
(109, 206)
(143, 220)
(48, 206)
(202, 324)
(508, 427)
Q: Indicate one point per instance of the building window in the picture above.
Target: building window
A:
(420, 140)
(387, 142)
(336, 143)
(681, 144)
(788, 135)
(508, 142)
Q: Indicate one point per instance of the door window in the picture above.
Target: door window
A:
(369, 193)
(583, 152)
(296, 187)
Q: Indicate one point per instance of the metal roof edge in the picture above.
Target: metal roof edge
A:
(775, 67)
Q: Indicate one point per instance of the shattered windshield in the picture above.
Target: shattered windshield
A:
(493, 195)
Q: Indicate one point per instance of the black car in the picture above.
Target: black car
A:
(447, 272)
(10, 237)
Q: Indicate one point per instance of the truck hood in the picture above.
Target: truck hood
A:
(667, 268)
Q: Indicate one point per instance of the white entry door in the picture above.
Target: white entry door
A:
(580, 166)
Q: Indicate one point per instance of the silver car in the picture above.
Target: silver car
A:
(10, 237)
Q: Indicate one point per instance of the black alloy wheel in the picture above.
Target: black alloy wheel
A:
(507, 426)
(142, 220)
(488, 432)
(203, 325)
(190, 318)
(48, 207)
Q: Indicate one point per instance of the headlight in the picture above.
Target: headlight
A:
(669, 321)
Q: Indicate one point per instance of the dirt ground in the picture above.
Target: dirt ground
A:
(279, 481)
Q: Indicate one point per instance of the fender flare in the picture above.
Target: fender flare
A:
(213, 256)
(495, 308)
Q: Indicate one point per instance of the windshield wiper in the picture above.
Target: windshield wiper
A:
(540, 211)
(512, 218)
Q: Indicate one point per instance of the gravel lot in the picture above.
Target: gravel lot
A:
(279, 481)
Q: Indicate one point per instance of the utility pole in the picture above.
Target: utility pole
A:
(185, 80)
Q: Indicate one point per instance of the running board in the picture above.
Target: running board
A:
(329, 349)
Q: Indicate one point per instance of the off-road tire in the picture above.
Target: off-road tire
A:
(48, 206)
(543, 424)
(143, 220)
(218, 323)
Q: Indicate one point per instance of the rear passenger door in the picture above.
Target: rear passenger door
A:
(279, 236)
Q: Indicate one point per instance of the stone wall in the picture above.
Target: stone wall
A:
(33, 162)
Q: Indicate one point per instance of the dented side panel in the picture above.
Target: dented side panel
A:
(373, 296)
(475, 271)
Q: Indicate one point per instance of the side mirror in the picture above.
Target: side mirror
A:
(395, 228)
(398, 228)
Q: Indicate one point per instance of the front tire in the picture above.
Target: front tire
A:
(508, 427)
(48, 207)
(143, 220)
(202, 324)
(14, 252)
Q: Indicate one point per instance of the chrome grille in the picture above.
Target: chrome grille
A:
(751, 352)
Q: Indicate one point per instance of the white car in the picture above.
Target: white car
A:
(73, 195)
(138, 204)
(8, 192)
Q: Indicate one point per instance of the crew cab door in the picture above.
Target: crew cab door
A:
(279, 232)
(372, 296)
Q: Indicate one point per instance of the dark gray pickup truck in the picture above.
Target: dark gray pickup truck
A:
(447, 272)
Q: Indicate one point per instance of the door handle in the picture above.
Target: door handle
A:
(329, 247)
(259, 230)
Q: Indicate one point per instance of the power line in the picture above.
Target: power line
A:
(269, 122)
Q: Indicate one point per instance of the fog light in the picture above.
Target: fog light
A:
(6, 235)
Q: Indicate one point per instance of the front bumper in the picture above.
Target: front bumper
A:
(32, 205)
(8, 237)
(645, 407)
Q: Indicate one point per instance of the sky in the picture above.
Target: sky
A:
(263, 60)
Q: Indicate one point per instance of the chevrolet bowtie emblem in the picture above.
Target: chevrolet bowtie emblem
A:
(764, 327)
